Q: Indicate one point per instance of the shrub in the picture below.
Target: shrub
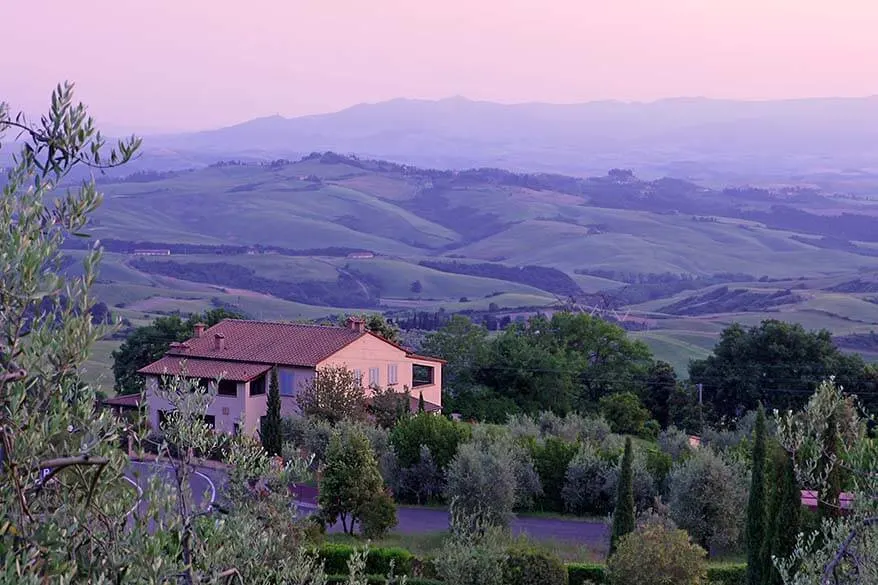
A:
(335, 558)
(659, 466)
(585, 485)
(388, 406)
(314, 436)
(474, 553)
(440, 434)
(655, 555)
(481, 481)
(707, 498)
(377, 515)
(422, 482)
(571, 428)
(351, 479)
(293, 429)
(625, 413)
(522, 426)
(380, 580)
(527, 481)
(643, 482)
(675, 443)
(727, 574)
(526, 566)
(582, 573)
(333, 394)
(551, 460)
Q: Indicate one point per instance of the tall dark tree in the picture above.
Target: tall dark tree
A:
(756, 506)
(784, 519)
(661, 381)
(684, 412)
(761, 364)
(421, 406)
(623, 516)
(271, 433)
(829, 502)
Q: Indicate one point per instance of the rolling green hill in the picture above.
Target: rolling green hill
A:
(654, 250)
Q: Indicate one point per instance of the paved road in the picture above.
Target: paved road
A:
(420, 520)
(205, 483)
(412, 520)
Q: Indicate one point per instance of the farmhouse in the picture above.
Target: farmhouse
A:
(241, 354)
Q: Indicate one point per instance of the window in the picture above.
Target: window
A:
(358, 376)
(257, 386)
(227, 388)
(287, 381)
(422, 375)
(210, 420)
(374, 376)
(392, 375)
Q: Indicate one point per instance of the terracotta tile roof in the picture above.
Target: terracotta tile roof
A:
(268, 342)
(413, 405)
(428, 406)
(124, 400)
(425, 358)
(202, 368)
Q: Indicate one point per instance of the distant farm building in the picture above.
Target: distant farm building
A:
(361, 255)
(150, 252)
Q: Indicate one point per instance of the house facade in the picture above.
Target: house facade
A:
(241, 355)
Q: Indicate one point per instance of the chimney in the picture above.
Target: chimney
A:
(219, 342)
(199, 329)
(356, 324)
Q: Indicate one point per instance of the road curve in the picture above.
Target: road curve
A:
(412, 520)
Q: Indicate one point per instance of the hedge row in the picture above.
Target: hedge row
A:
(728, 574)
(335, 558)
(725, 574)
(579, 573)
(379, 580)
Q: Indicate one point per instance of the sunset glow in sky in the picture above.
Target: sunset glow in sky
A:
(192, 64)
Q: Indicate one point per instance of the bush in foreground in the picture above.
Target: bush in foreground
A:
(656, 555)
(527, 566)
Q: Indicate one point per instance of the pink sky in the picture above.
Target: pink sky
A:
(191, 64)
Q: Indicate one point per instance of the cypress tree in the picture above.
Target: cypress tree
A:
(829, 502)
(785, 518)
(756, 512)
(623, 515)
(421, 406)
(271, 433)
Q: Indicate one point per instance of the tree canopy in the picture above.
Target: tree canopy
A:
(779, 364)
(150, 342)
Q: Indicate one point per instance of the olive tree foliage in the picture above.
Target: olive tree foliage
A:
(248, 533)
(333, 394)
(67, 514)
(655, 554)
(474, 552)
(707, 497)
(845, 548)
(481, 482)
(57, 526)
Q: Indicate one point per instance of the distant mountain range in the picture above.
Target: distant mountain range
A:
(701, 139)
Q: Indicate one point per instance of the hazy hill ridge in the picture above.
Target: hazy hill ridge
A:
(695, 137)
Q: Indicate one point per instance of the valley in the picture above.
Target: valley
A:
(672, 261)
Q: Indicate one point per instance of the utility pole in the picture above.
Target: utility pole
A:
(701, 408)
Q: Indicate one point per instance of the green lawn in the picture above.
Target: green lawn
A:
(428, 544)
(98, 369)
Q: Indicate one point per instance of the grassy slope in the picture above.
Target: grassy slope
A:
(366, 209)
